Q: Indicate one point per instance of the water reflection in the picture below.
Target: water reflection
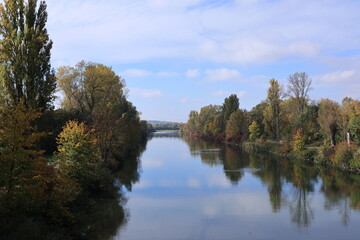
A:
(340, 190)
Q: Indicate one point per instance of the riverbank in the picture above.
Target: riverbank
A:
(342, 156)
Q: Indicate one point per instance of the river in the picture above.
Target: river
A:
(190, 189)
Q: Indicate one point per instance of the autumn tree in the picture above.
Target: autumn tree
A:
(327, 118)
(255, 131)
(25, 54)
(29, 185)
(88, 87)
(272, 112)
(78, 155)
(237, 125)
(19, 161)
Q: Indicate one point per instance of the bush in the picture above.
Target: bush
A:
(343, 154)
(355, 162)
(298, 141)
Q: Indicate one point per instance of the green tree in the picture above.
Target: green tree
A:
(25, 53)
(230, 105)
(19, 161)
(88, 87)
(255, 132)
(327, 117)
(237, 125)
(298, 141)
(78, 155)
(272, 112)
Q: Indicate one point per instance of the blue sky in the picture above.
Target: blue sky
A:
(180, 55)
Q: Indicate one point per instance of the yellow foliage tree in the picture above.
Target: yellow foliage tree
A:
(20, 163)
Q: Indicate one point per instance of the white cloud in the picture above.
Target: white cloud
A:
(145, 93)
(133, 72)
(338, 76)
(128, 31)
(192, 73)
(255, 50)
(221, 74)
(222, 93)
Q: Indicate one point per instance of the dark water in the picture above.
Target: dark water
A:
(195, 190)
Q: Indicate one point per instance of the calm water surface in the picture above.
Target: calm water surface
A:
(195, 190)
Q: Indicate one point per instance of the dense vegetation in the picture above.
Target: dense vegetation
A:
(95, 135)
(288, 123)
(154, 126)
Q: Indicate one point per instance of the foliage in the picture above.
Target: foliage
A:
(272, 112)
(343, 154)
(298, 141)
(327, 119)
(89, 87)
(237, 125)
(25, 53)
(166, 126)
(255, 131)
(19, 161)
(230, 105)
(79, 156)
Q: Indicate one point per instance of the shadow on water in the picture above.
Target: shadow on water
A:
(340, 190)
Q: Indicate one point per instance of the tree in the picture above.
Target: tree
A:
(25, 53)
(327, 118)
(298, 87)
(230, 105)
(88, 87)
(19, 161)
(29, 185)
(78, 154)
(272, 112)
(237, 125)
(255, 132)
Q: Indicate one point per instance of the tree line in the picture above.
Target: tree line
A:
(325, 130)
(52, 159)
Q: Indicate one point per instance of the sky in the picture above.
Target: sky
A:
(180, 55)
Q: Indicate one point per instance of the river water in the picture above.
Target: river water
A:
(190, 189)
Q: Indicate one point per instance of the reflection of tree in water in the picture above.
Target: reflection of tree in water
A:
(304, 178)
(101, 221)
(232, 159)
(104, 216)
(342, 191)
(234, 162)
(164, 134)
(210, 153)
(270, 172)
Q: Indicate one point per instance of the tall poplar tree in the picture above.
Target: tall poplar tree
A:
(272, 112)
(230, 105)
(25, 54)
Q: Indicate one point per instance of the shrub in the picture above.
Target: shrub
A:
(343, 154)
(298, 141)
(355, 162)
